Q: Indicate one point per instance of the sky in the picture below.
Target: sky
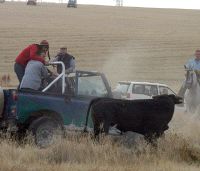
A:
(182, 4)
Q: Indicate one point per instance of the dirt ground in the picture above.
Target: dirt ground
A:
(125, 43)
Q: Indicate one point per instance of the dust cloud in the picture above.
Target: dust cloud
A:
(186, 125)
(121, 65)
(135, 61)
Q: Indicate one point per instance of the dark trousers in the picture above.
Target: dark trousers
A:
(19, 70)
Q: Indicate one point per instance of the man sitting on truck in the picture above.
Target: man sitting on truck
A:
(67, 59)
(34, 73)
(69, 62)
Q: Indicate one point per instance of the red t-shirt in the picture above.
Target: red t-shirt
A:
(29, 53)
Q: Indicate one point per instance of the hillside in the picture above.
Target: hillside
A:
(125, 43)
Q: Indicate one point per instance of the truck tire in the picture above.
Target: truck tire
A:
(46, 131)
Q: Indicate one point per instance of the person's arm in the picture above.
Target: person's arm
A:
(44, 71)
(54, 59)
(72, 66)
(189, 64)
(34, 56)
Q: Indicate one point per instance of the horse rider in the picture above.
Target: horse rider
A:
(192, 64)
(32, 52)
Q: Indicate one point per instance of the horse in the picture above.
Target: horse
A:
(192, 94)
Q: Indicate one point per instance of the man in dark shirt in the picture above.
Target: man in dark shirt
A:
(67, 59)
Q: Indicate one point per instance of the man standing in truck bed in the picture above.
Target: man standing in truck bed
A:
(35, 72)
(32, 52)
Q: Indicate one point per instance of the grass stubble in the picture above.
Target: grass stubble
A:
(176, 150)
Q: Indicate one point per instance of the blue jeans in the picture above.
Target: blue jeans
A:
(19, 70)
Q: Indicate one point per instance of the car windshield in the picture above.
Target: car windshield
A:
(122, 87)
(149, 90)
(92, 86)
(165, 90)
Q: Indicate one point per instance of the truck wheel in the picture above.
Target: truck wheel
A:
(46, 131)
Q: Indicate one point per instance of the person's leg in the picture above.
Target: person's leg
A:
(182, 90)
(19, 70)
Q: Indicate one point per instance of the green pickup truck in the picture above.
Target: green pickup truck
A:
(61, 105)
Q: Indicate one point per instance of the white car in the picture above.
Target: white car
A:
(140, 90)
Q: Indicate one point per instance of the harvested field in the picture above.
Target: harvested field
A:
(124, 43)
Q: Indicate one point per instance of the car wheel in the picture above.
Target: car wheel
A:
(46, 131)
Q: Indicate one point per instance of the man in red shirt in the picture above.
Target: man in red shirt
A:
(32, 52)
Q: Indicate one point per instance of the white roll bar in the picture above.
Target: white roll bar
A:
(58, 77)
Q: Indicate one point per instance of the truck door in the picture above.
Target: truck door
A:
(88, 85)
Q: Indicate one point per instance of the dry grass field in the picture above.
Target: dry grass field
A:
(126, 44)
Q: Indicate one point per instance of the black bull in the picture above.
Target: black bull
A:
(149, 117)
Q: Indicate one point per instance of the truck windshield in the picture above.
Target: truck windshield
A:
(92, 86)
